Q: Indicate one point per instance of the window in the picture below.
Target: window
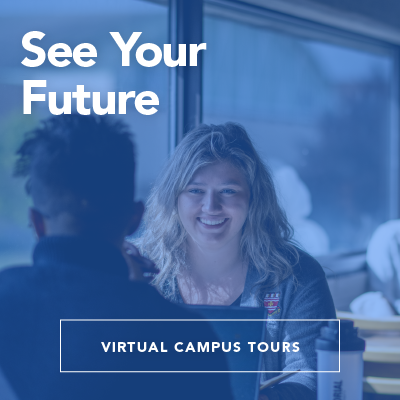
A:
(73, 23)
(318, 104)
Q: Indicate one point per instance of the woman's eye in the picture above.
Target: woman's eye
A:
(228, 191)
(195, 191)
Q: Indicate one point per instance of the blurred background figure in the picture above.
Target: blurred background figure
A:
(295, 198)
(383, 261)
(383, 258)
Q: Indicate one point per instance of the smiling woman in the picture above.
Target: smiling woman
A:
(215, 173)
(216, 232)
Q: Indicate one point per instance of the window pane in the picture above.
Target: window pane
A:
(76, 22)
(320, 115)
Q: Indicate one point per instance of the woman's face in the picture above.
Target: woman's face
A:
(214, 206)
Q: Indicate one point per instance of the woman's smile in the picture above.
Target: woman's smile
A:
(212, 223)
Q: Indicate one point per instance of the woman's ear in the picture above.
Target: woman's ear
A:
(38, 222)
(136, 218)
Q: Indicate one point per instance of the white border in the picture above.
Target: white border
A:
(196, 320)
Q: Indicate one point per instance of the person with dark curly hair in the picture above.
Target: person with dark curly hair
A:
(81, 172)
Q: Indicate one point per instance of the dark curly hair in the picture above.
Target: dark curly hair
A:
(83, 165)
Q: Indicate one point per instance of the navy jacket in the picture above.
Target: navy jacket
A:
(75, 278)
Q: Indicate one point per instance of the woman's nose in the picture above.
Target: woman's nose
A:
(211, 203)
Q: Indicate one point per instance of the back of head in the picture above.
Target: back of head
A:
(82, 166)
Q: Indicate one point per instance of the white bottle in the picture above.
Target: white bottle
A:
(348, 383)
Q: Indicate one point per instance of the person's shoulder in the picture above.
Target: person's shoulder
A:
(307, 289)
(15, 288)
(306, 268)
(15, 276)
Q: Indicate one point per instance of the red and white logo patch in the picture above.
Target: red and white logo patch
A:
(271, 303)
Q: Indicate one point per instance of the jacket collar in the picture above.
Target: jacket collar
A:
(79, 251)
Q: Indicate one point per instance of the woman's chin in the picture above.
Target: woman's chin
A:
(212, 241)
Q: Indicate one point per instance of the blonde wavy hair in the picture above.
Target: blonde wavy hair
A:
(266, 242)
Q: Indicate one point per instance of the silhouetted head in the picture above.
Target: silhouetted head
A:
(80, 172)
